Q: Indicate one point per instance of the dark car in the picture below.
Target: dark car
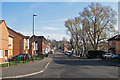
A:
(15, 57)
(26, 56)
(21, 57)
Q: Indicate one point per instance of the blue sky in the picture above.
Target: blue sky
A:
(51, 16)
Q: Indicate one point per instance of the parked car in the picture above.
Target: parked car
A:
(117, 56)
(15, 57)
(22, 56)
(69, 53)
(51, 52)
(26, 56)
(107, 55)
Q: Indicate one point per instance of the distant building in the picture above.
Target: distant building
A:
(103, 46)
(42, 46)
(65, 47)
(114, 44)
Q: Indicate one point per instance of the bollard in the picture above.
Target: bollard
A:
(15, 61)
(9, 62)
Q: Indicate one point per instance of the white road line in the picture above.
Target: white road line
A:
(47, 64)
(31, 74)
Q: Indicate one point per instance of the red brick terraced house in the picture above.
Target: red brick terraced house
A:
(3, 41)
(42, 46)
(20, 42)
(114, 44)
(6, 43)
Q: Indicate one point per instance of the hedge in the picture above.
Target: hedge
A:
(95, 54)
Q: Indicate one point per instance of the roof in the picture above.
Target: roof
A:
(1, 21)
(39, 37)
(11, 36)
(117, 37)
(24, 36)
(27, 37)
(18, 33)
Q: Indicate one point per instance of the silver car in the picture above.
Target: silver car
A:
(107, 55)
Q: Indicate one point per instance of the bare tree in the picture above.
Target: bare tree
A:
(97, 21)
(94, 25)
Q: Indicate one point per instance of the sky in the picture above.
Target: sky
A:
(51, 16)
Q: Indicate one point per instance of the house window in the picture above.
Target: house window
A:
(27, 43)
(36, 46)
(110, 43)
(1, 53)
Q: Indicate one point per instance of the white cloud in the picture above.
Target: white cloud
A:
(55, 36)
(51, 28)
(56, 20)
(60, 19)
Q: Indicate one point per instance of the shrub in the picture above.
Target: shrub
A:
(95, 54)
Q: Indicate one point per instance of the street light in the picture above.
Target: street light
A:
(33, 35)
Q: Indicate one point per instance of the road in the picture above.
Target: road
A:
(63, 66)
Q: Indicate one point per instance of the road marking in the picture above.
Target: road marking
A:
(47, 64)
(31, 74)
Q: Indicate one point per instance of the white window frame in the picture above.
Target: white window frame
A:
(1, 53)
(9, 52)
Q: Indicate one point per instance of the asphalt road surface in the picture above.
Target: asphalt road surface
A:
(63, 66)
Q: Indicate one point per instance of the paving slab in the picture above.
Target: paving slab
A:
(25, 68)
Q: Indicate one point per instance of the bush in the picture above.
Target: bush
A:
(95, 54)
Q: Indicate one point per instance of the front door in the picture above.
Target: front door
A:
(6, 55)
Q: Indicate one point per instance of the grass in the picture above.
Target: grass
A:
(4, 65)
(14, 63)
(115, 60)
(18, 62)
(37, 58)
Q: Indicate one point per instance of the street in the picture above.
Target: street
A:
(63, 66)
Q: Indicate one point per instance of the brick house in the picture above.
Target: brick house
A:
(114, 44)
(20, 42)
(3, 40)
(6, 43)
(41, 45)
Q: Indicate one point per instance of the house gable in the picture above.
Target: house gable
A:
(3, 35)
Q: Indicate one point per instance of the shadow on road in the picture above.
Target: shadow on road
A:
(63, 59)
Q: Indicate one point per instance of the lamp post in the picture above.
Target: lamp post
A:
(33, 35)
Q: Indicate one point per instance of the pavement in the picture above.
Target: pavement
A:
(24, 69)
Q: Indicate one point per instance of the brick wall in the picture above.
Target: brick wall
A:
(118, 47)
(18, 42)
(3, 40)
(42, 44)
(116, 44)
